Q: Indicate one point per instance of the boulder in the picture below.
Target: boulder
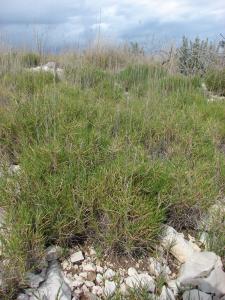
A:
(178, 246)
(54, 287)
(196, 295)
(204, 271)
(34, 280)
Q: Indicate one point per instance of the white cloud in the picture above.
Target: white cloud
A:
(67, 19)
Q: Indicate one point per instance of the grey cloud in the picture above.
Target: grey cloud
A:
(64, 22)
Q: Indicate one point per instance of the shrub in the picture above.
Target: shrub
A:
(215, 81)
(194, 57)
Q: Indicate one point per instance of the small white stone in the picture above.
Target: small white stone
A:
(14, 169)
(83, 275)
(122, 272)
(77, 257)
(85, 289)
(65, 264)
(99, 279)
(109, 274)
(78, 292)
(97, 290)
(99, 269)
(132, 272)
(77, 283)
(92, 252)
(89, 267)
(110, 288)
(141, 281)
(89, 284)
(156, 268)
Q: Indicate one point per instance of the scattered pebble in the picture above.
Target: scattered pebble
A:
(109, 274)
(77, 257)
(110, 288)
(89, 267)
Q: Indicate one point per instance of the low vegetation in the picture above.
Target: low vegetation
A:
(107, 154)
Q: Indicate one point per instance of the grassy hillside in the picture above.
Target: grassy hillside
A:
(108, 154)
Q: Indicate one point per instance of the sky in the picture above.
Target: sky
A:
(59, 23)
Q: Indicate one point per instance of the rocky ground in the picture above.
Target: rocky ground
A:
(84, 275)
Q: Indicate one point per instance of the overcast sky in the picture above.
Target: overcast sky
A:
(65, 22)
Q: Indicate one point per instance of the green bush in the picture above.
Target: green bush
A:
(215, 81)
(195, 57)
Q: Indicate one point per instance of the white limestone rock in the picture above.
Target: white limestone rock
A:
(99, 269)
(174, 285)
(90, 267)
(14, 170)
(180, 248)
(109, 274)
(156, 268)
(166, 294)
(141, 281)
(97, 290)
(99, 279)
(132, 272)
(203, 270)
(54, 286)
(53, 253)
(77, 257)
(89, 284)
(34, 280)
(196, 295)
(110, 288)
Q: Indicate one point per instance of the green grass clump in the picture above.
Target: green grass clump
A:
(27, 82)
(97, 163)
(30, 60)
(215, 81)
(137, 77)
